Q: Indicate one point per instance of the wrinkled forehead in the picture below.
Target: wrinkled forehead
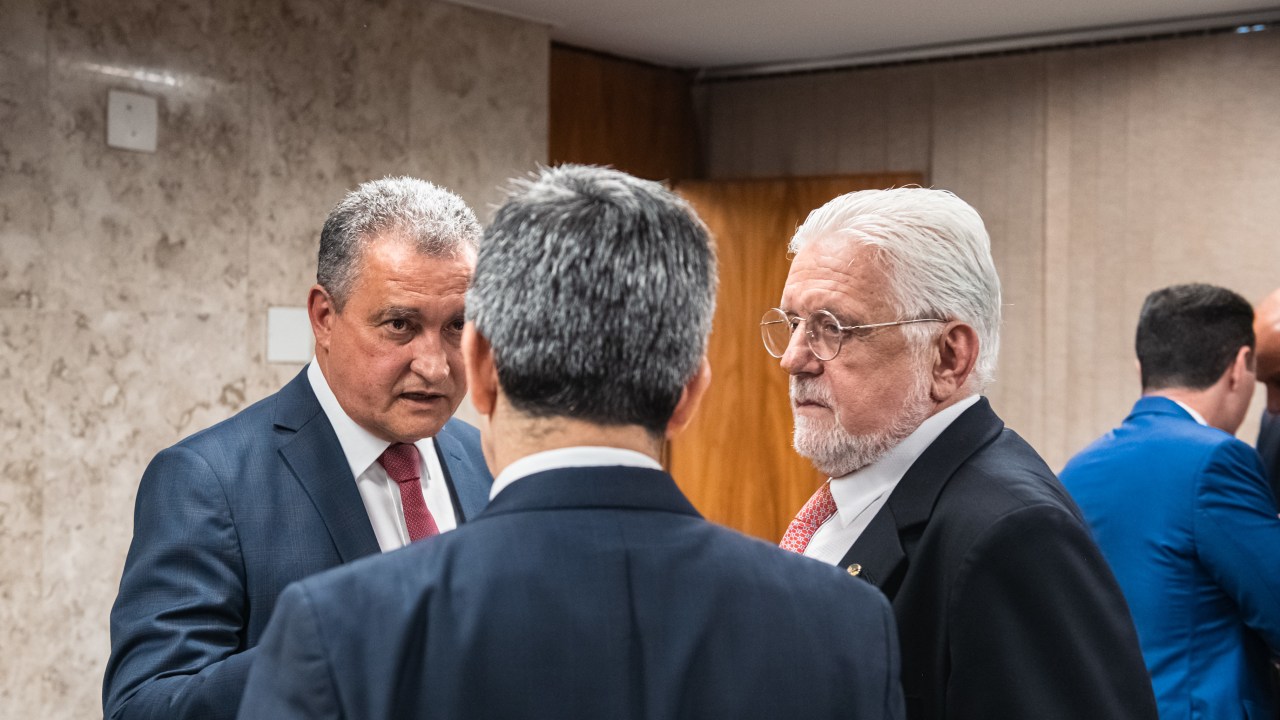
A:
(837, 274)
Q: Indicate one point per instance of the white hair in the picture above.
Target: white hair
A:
(937, 254)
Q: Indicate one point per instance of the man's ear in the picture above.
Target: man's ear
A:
(1241, 370)
(690, 397)
(482, 373)
(322, 311)
(956, 354)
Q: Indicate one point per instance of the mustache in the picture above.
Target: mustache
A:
(810, 390)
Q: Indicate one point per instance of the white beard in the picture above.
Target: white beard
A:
(836, 452)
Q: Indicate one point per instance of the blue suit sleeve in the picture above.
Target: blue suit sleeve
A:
(178, 622)
(1237, 534)
(291, 677)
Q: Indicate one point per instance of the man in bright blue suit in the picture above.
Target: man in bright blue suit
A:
(1183, 512)
(590, 587)
(356, 454)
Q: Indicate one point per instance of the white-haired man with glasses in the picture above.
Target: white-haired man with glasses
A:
(889, 327)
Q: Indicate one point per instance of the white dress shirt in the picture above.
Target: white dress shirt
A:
(860, 494)
(381, 494)
(579, 456)
(1194, 415)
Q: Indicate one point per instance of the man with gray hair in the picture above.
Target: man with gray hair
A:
(356, 454)
(590, 587)
(889, 326)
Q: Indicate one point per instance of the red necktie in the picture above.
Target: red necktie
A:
(401, 463)
(818, 510)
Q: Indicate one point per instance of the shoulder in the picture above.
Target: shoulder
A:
(1230, 462)
(243, 441)
(461, 432)
(1003, 477)
(765, 569)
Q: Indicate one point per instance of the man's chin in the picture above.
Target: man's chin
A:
(836, 453)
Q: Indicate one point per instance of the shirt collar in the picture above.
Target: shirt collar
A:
(579, 456)
(855, 492)
(361, 447)
(1194, 415)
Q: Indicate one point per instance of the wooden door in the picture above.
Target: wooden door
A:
(735, 461)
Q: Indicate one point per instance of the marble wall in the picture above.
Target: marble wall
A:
(134, 287)
(1103, 173)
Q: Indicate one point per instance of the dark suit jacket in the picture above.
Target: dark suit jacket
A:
(224, 521)
(1186, 519)
(1005, 606)
(580, 593)
(1269, 449)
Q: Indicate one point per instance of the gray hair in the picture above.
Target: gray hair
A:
(435, 220)
(596, 291)
(937, 253)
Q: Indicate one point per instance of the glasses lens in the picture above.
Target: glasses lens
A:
(775, 330)
(824, 334)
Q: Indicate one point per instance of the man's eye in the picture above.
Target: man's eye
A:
(398, 324)
(456, 326)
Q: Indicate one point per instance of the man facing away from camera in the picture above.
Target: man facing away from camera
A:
(889, 326)
(1183, 512)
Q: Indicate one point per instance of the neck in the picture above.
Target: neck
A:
(512, 435)
(1211, 403)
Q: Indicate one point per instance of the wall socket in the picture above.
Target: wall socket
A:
(131, 121)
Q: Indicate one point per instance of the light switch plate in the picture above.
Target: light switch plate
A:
(289, 338)
(131, 121)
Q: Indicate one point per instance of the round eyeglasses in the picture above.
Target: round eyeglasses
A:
(823, 331)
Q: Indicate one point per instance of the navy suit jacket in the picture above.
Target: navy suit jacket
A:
(1187, 521)
(1005, 606)
(225, 520)
(1269, 449)
(580, 593)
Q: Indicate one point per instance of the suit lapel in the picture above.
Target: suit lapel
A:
(314, 456)
(882, 552)
(470, 494)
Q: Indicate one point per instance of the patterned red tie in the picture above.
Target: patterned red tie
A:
(401, 463)
(818, 510)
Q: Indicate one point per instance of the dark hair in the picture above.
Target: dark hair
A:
(1188, 335)
(596, 291)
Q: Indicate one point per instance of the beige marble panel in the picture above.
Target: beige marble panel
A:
(479, 102)
(142, 231)
(121, 386)
(24, 148)
(22, 621)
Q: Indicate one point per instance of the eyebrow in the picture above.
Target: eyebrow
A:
(397, 312)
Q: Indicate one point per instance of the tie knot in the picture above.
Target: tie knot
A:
(400, 460)
(820, 507)
(817, 511)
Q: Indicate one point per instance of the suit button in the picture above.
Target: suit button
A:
(855, 569)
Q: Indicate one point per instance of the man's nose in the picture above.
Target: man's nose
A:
(798, 358)
(430, 360)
